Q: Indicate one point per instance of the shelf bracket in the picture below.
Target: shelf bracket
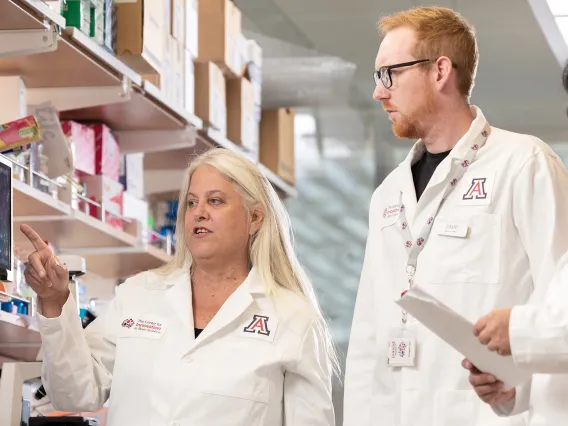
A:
(155, 140)
(27, 42)
(70, 98)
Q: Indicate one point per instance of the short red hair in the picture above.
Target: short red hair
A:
(440, 32)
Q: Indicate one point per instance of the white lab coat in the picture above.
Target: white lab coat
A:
(538, 333)
(515, 237)
(276, 373)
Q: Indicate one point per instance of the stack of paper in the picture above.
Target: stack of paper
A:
(458, 333)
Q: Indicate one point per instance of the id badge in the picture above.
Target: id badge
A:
(401, 347)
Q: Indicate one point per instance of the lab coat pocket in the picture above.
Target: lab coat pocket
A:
(464, 250)
(241, 397)
(239, 376)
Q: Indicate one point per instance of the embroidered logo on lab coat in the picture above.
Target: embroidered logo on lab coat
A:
(128, 323)
(261, 327)
(259, 324)
(476, 190)
(151, 327)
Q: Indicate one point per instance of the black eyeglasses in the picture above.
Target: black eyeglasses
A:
(384, 74)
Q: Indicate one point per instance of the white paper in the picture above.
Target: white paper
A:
(458, 333)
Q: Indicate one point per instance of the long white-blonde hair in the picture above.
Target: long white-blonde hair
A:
(271, 249)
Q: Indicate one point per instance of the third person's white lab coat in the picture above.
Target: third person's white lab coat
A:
(259, 362)
(538, 333)
(516, 233)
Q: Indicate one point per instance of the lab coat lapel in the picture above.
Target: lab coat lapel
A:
(455, 157)
(233, 307)
(407, 183)
(179, 297)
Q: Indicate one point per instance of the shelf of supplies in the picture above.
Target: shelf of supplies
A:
(71, 231)
(29, 201)
(100, 54)
(66, 66)
(138, 113)
(17, 340)
(78, 62)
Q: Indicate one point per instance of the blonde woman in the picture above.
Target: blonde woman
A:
(228, 333)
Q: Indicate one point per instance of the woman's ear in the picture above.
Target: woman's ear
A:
(256, 216)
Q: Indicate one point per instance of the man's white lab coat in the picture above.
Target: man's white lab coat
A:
(259, 362)
(517, 230)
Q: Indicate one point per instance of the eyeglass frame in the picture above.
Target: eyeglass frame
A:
(388, 68)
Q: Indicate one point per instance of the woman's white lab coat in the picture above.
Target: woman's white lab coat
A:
(259, 362)
(513, 203)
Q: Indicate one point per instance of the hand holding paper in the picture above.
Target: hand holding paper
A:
(458, 333)
(492, 330)
(487, 387)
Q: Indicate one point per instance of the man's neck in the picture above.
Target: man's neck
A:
(447, 128)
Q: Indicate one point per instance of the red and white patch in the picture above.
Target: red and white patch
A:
(259, 326)
(477, 190)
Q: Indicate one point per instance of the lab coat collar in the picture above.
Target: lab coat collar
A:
(462, 147)
(456, 156)
(180, 298)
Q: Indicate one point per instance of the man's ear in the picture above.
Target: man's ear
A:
(444, 69)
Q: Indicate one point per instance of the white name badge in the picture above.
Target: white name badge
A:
(458, 230)
(402, 352)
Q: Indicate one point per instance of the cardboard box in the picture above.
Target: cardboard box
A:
(140, 35)
(107, 192)
(82, 141)
(14, 99)
(132, 173)
(178, 20)
(192, 27)
(242, 128)
(189, 83)
(219, 28)
(210, 95)
(277, 142)
(107, 157)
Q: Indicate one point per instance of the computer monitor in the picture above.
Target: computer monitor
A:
(6, 221)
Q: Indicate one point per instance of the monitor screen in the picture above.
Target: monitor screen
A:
(5, 219)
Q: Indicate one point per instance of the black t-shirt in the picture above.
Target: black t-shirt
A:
(424, 168)
(198, 332)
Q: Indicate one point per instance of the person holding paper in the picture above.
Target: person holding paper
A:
(475, 215)
(536, 335)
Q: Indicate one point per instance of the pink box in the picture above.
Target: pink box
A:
(107, 161)
(108, 192)
(83, 144)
